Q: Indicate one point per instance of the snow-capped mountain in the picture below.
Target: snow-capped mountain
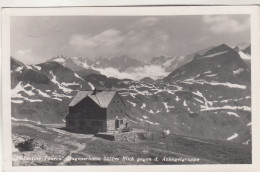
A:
(207, 97)
(121, 63)
(124, 67)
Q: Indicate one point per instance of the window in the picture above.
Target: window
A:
(116, 110)
(121, 110)
(121, 121)
(118, 101)
(96, 123)
(114, 101)
(111, 111)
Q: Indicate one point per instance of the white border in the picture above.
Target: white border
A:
(131, 11)
(77, 3)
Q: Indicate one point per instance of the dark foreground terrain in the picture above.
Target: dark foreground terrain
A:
(38, 144)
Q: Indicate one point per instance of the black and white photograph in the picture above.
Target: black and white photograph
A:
(130, 89)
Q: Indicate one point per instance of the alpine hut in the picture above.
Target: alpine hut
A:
(97, 111)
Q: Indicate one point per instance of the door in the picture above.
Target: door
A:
(117, 124)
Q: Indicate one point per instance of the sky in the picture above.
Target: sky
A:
(39, 38)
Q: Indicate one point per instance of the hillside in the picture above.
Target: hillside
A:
(41, 92)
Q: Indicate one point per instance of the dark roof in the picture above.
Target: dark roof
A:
(101, 98)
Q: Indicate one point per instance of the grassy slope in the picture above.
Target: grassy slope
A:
(60, 143)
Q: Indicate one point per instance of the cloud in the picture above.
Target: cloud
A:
(27, 56)
(136, 42)
(225, 24)
(108, 38)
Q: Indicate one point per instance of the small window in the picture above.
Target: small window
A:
(117, 101)
(111, 111)
(121, 121)
(121, 110)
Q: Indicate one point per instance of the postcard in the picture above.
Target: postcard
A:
(147, 88)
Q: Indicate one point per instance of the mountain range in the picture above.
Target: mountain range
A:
(206, 94)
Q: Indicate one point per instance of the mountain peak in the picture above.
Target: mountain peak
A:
(221, 48)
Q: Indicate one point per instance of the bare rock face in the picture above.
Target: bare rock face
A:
(23, 143)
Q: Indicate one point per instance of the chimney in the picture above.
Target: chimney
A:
(94, 91)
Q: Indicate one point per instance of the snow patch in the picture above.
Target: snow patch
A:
(19, 69)
(238, 71)
(25, 120)
(77, 76)
(28, 67)
(227, 84)
(185, 103)
(37, 67)
(56, 98)
(69, 84)
(61, 87)
(198, 100)
(153, 123)
(145, 117)
(60, 95)
(151, 111)
(246, 142)
(244, 56)
(245, 108)
(17, 101)
(134, 104)
(207, 72)
(234, 114)
(233, 136)
(166, 106)
(43, 94)
(211, 75)
(15, 93)
(213, 55)
(59, 60)
(91, 85)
